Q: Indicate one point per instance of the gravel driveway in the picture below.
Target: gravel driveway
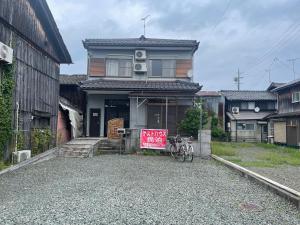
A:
(137, 190)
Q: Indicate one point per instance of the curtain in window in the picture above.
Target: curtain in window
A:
(168, 68)
(125, 68)
(112, 67)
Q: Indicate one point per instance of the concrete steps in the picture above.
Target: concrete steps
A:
(106, 147)
(79, 148)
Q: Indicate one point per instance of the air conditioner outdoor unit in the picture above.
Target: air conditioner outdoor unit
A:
(140, 67)
(140, 55)
(235, 110)
(6, 53)
(22, 155)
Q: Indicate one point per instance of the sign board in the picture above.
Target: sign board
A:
(153, 138)
(113, 126)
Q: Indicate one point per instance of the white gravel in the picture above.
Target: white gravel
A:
(112, 189)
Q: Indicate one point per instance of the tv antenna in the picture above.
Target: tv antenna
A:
(145, 20)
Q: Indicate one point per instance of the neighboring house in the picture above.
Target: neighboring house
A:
(274, 85)
(246, 113)
(28, 27)
(285, 125)
(144, 81)
(72, 106)
(214, 103)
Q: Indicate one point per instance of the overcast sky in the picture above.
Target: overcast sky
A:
(255, 36)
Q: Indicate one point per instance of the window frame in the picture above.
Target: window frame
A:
(293, 97)
(163, 69)
(244, 126)
(118, 59)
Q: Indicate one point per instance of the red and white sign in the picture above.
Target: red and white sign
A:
(153, 138)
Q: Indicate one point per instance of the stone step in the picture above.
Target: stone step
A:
(108, 152)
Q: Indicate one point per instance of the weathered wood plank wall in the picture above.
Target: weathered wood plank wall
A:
(36, 64)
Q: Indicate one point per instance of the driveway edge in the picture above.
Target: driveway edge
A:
(283, 191)
(47, 155)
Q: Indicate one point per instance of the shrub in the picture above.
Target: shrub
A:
(191, 122)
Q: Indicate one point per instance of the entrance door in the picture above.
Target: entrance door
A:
(95, 116)
(264, 132)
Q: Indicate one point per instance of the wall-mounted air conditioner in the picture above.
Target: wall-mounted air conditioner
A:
(6, 53)
(235, 110)
(22, 155)
(140, 67)
(140, 55)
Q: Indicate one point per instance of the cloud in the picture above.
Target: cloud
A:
(248, 35)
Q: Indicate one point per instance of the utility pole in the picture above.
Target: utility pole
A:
(144, 19)
(293, 63)
(237, 79)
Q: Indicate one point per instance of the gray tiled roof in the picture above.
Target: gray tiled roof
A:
(138, 85)
(141, 42)
(287, 85)
(248, 95)
(71, 79)
(249, 115)
(274, 85)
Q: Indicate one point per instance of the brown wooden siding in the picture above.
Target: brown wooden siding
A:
(183, 66)
(32, 25)
(36, 69)
(285, 104)
(97, 67)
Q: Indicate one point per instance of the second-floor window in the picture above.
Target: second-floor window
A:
(296, 97)
(119, 67)
(161, 68)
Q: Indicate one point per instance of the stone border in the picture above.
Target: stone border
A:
(50, 154)
(281, 190)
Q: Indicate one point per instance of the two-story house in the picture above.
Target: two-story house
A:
(246, 114)
(144, 81)
(285, 125)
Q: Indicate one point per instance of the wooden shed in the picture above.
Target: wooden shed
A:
(28, 27)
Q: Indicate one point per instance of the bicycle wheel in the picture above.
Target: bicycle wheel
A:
(190, 153)
(172, 150)
(181, 153)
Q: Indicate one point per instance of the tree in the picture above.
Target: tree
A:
(191, 122)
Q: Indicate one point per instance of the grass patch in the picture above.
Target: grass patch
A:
(223, 149)
(256, 164)
(3, 165)
(280, 158)
(149, 152)
(270, 155)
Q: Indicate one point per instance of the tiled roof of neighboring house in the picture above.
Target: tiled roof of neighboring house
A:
(208, 93)
(281, 115)
(140, 42)
(248, 115)
(287, 85)
(71, 79)
(248, 95)
(274, 85)
(138, 85)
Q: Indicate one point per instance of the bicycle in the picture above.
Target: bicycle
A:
(189, 153)
(177, 148)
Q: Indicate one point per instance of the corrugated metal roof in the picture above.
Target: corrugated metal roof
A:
(71, 79)
(274, 85)
(287, 85)
(137, 85)
(248, 95)
(141, 42)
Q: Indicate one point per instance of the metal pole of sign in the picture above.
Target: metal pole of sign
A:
(166, 113)
(200, 127)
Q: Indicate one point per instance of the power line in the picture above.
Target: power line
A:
(289, 33)
(293, 60)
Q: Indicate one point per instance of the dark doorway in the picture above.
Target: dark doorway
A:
(95, 115)
(116, 108)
